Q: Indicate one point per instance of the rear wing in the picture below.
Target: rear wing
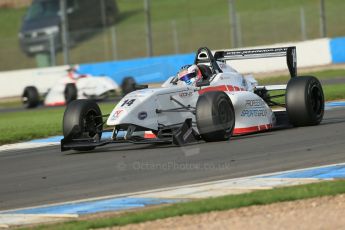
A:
(289, 52)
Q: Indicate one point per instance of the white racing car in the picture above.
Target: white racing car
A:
(74, 86)
(207, 101)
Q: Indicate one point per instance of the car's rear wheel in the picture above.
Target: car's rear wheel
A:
(82, 119)
(70, 93)
(304, 101)
(30, 97)
(215, 116)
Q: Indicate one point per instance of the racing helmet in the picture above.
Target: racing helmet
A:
(73, 72)
(73, 68)
(189, 74)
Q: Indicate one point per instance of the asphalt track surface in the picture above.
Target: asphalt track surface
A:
(45, 175)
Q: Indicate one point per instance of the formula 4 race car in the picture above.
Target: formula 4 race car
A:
(74, 86)
(221, 104)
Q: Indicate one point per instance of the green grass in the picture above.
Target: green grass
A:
(5, 104)
(322, 75)
(264, 197)
(198, 23)
(36, 123)
(19, 126)
(12, 19)
(334, 92)
(331, 93)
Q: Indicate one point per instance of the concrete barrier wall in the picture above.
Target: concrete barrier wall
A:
(145, 70)
(309, 53)
(12, 83)
(157, 69)
(337, 49)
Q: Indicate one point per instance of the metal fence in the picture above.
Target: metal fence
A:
(185, 34)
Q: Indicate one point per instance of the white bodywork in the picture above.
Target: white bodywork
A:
(87, 87)
(140, 107)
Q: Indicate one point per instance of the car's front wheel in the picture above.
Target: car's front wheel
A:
(30, 97)
(82, 119)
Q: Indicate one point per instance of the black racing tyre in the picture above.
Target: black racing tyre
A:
(70, 93)
(30, 97)
(305, 101)
(215, 116)
(82, 119)
(128, 85)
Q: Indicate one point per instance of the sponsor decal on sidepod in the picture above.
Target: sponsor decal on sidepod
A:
(254, 108)
(142, 115)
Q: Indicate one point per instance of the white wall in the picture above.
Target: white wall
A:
(12, 83)
(309, 53)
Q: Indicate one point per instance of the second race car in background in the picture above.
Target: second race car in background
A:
(74, 86)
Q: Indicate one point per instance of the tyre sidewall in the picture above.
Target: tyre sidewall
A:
(75, 113)
(299, 97)
(70, 93)
(315, 117)
(32, 95)
(210, 124)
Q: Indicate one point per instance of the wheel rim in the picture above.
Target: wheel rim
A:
(224, 114)
(91, 123)
(316, 100)
(25, 99)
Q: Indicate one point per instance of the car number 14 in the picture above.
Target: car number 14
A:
(128, 102)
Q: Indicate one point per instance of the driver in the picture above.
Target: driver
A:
(73, 73)
(189, 74)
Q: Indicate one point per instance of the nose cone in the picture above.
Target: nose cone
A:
(136, 108)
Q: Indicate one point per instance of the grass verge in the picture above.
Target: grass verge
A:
(332, 92)
(264, 197)
(13, 103)
(36, 123)
(321, 75)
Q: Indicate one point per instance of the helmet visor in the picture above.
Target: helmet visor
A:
(187, 77)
